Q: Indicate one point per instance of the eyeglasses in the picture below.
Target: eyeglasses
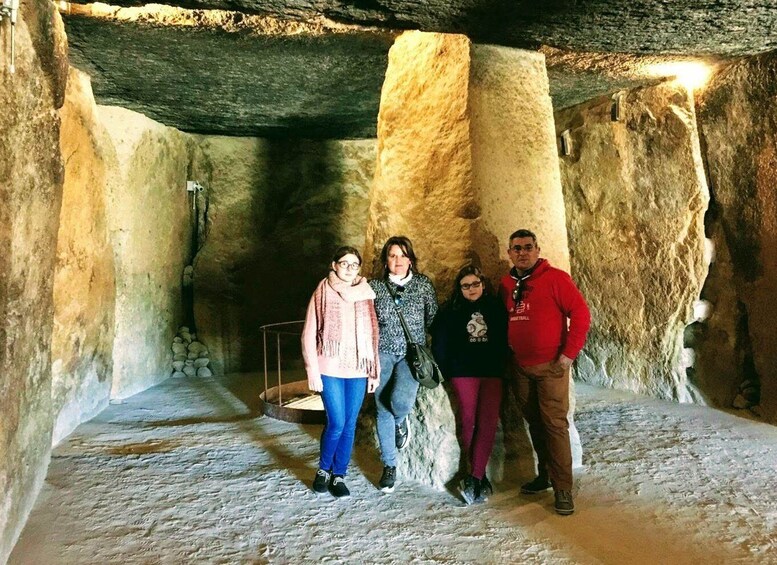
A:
(518, 291)
(467, 286)
(398, 295)
(528, 248)
(349, 266)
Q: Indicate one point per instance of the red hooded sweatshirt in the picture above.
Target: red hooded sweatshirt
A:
(537, 327)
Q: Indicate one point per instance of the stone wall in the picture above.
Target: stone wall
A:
(30, 191)
(635, 195)
(466, 155)
(84, 291)
(737, 345)
(151, 225)
(276, 211)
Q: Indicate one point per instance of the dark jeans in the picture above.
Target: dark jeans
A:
(544, 399)
(394, 399)
(342, 401)
(479, 402)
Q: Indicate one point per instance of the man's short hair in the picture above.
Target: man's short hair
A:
(523, 233)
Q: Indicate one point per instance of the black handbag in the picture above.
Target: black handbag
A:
(422, 365)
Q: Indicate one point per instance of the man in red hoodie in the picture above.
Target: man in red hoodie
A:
(547, 327)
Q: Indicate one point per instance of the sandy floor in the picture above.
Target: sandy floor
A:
(183, 474)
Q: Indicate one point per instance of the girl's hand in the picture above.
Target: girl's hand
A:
(315, 383)
(372, 385)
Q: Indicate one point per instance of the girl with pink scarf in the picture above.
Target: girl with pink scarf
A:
(340, 349)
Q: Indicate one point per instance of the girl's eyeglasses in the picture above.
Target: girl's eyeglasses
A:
(349, 266)
(467, 286)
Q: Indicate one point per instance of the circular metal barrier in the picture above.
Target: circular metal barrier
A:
(287, 399)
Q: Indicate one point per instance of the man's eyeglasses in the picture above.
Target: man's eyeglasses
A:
(467, 286)
(349, 266)
(518, 291)
(529, 247)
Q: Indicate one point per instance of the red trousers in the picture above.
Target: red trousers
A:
(544, 400)
(479, 403)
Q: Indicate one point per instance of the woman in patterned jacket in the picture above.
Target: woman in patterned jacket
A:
(401, 287)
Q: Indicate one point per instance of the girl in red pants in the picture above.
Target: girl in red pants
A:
(470, 345)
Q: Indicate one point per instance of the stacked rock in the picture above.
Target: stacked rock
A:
(190, 357)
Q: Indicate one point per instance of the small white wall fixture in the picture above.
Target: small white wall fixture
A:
(10, 9)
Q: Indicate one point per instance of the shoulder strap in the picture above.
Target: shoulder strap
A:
(393, 294)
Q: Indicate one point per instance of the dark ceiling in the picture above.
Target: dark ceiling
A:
(239, 81)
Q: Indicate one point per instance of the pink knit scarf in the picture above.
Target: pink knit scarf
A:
(361, 350)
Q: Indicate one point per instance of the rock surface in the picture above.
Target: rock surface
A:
(737, 117)
(635, 194)
(212, 76)
(151, 223)
(276, 212)
(31, 177)
(638, 26)
(288, 71)
(84, 291)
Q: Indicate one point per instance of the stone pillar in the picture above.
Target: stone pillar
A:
(466, 155)
(515, 174)
(423, 179)
(84, 292)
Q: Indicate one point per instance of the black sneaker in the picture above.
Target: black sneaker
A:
(486, 490)
(338, 487)
(564, 504)
(539, 484)
(321, 482)
(387, 479)
(469, 489)
(402, 434)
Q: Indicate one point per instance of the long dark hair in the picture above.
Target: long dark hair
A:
(405, 245)
(456, 299)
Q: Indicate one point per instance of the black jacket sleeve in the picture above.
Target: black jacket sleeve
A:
(441, 339)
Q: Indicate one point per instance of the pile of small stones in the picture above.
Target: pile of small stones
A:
(190, 357)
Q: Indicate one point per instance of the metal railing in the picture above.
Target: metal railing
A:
(272, 396)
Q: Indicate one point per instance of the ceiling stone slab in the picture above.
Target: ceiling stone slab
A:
(726, 27)
(211, 81)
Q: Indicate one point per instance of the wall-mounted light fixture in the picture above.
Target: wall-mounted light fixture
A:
(10, 9)
(616, 110)
(194, 188)
(566, 142)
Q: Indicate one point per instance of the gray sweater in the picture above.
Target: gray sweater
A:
(418, 303)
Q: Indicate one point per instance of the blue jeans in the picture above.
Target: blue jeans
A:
(342, 401)
(394, 398)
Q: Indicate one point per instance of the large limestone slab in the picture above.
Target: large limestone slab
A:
(31, 176)
(276, 211)
(635, 196)
(151, 225)
(737, 116)
(466, 155)
(84, 292)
